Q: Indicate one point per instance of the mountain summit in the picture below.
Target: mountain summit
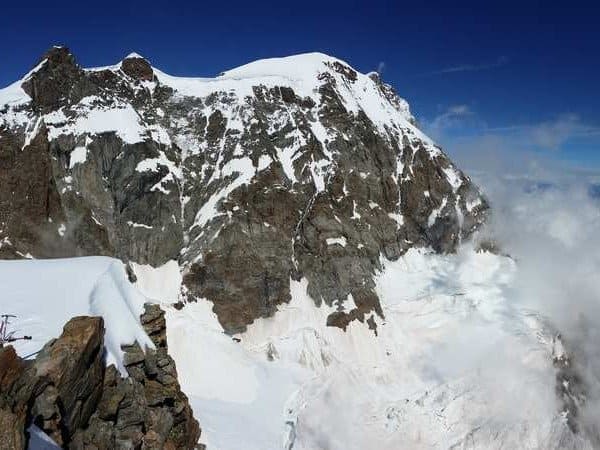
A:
(282, 169)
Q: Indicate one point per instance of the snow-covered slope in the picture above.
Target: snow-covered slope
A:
(454, 364)
(69, 393)
(359, 92)
(45, 294)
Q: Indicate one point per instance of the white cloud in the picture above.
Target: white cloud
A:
(455, 117)
(544, 217)
(501, 61)
(551, 135)
(516, 148)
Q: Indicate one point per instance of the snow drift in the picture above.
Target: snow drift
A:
(45, 294)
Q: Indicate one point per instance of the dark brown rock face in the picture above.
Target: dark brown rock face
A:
(58, 80)
(148, 409)
(13, 399)
(59, 390)
(73, 367)
(69, 394)
(249, 183)
(137, 68)
(29, 200)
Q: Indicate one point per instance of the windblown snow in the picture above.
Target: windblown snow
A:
(45, 294)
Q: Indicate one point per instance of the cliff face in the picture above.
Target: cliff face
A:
(277, 170)
(69, 394)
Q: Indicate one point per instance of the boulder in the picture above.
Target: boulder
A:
(69, 394)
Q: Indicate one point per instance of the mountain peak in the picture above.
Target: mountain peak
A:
(134, 55)
(52, 79)
(340, 147)
(300, 66)
(58, 55)
(137, 67)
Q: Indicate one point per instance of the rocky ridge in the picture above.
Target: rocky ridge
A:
(282, 169)
(70, 395)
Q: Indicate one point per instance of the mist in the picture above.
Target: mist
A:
(545, 219)
(550, 226)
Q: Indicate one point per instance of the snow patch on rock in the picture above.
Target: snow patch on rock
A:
(78, 156)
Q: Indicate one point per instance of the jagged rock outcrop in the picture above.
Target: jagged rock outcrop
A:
(13, 407)
(137, 68)
(69, 394)
(147, 409)
(282, 169)
(59, 390)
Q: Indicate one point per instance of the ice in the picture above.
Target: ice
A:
(78, 156)
(340, 241)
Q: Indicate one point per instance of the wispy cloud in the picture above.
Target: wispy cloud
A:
(551, 135)
(454, 120)
(380, 67)
(551, 231)
(453, 116)
(515, 148)
(460, 122)
(501, 61)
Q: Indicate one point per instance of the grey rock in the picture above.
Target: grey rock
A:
(68, 393)
(380, 189)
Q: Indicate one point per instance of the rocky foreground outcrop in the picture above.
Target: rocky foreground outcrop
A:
(69, 393)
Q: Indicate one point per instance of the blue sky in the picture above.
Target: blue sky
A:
(521, 75)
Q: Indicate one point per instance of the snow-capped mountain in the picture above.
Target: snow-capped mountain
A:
(282, 169)
(309, 244)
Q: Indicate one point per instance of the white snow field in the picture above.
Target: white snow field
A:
(45, 294)
(453, 362)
